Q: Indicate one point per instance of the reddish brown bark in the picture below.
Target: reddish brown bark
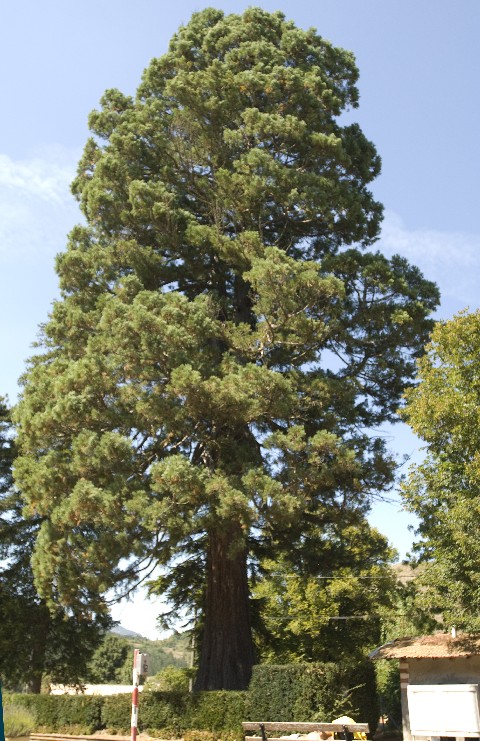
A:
(227, 652)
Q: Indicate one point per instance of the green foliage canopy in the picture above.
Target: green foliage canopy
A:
(111, 662)
(33, 640)
(319, 691)
(224, 341)
(444, 490)
(334, 611)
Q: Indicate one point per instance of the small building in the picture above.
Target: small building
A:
(440, 683)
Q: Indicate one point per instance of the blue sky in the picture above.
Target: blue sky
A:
(419, 70)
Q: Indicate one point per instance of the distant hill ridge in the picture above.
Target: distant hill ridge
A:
(119, 630)
(172, 651)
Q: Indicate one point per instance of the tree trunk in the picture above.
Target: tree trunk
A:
(34, 685)
(227, 653)
(38, 637)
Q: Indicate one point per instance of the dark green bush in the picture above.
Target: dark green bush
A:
(203, 711)
(388, 681)
(116, 712)
(60, 712)
(217, 711)
(293, 692)
(175, 712)
(313, 692)
(81, 711)
(164, 710)
(364, 696)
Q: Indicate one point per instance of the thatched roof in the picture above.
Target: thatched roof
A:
(437, 646)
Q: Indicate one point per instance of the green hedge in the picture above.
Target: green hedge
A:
(116, 712)
(313, 692)
(217, 711)
(293, 692)
(60, 712)
(165, 711)
(178, 711)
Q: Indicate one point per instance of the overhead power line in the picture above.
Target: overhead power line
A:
(346, 578)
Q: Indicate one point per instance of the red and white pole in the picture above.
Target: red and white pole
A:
(134, 723)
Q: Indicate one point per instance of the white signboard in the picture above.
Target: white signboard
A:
(141, 664)
(444, 709)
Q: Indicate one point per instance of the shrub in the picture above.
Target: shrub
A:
(293, 692)
(62, 712)
(17, 719)
(116, 712)
(170, 679)
(79, 711)
(165, 710)
(388, 680)
(43, 706)
(177, 712)
(313, 692)
(223, 710)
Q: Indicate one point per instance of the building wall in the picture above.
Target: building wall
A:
(435, 671)
(444, 671)
(92, 689)
(404, 680)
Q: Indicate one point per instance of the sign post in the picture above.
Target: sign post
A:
(140, 668)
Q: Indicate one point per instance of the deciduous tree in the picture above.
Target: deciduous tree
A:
(335, 610)
(444, 490)
(226, 340)
(112, 662)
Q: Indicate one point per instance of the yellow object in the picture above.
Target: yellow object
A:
(344, 720)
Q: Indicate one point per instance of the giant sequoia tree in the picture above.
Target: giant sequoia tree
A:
(225, 340)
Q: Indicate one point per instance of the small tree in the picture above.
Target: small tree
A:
(444, 490)
(33, 640)
(170, 679)
(406, 616)
(334, 611)
(112, 661)
(225, 340)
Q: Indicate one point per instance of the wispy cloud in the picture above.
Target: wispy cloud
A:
(36, 207)
(451, 259)
(429, 245)
(47, 180)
